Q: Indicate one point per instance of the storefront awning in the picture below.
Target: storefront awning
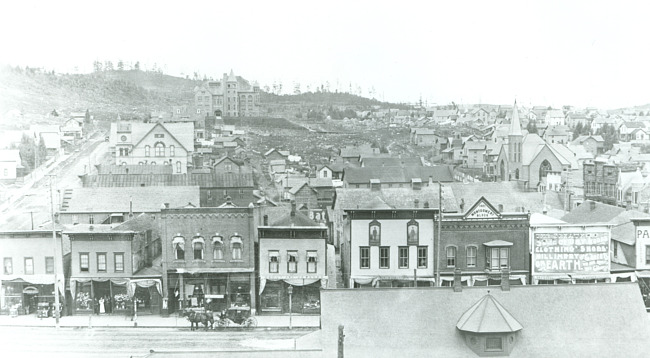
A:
(198, 239)
(42, 279)
(498, 243)
(214, 270)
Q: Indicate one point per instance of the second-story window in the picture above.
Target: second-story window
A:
(179, 247)
(274, 261)
(236, 247)
(364, 257)
(101, 262)
(292, 261)
(8, 266)
(147, 151)
(471, 256)
(159, 149)
(119, 262)
(403, 259)
(384, 257)
(172, 150)
(29, 265)
(197, 244)
(217, 247)
(312, 259)
(451, 256)
(84, 261)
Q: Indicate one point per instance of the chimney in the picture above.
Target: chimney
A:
(426, 204)
(500, 208)
(293, 208)
(458, 287)
(166, 205)
(266, 220)
(505, 280)
(592, 205)
(416, 203)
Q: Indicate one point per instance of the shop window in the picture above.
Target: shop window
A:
(119, 261)
(451, 256)
(8, 266)
(179, 247)
(217, 248)
(84, 262)
(274, 261)
(312, 259)
(292, 261)
(236, 247)
(403, 257)
(471, 256)
(423, 259)
(384, 257)
(364, 257)
(493, 344)
(197, 247)
(101, 262)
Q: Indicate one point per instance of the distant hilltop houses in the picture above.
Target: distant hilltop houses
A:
(233, 96)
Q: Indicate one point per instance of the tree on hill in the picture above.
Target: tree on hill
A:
(137, 66)
(108, 66)
(120, 65)
(609, 134)
(97, 66)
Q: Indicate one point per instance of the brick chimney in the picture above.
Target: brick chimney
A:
(426, 204)
(266, 220)
(505, 280)
(458, 286)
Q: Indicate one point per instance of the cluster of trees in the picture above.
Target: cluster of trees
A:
(531, 127)
(581, 129)
(99, 66)
(609, 134)
(31, 154)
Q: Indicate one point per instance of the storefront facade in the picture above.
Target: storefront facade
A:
(391, 248)
(292, 258)
(571, 253)
(104, 280)
(208, 258)
(27, 276)
(483, 243)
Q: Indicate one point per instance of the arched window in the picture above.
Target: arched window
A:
(147, 151)
(153, 163)
(236, 247)
(159, 149)
(178, 245)
(217, 247)
(544, 168)
(197, 246)
(178, 167)
(172, 150)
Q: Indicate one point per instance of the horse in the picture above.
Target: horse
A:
(200, 317)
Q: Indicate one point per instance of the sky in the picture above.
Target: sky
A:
(581, 53)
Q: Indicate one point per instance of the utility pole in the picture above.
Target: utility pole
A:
(437, 246)
(341, 342)
(56, 256)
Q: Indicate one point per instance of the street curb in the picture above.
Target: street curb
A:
(187, 328)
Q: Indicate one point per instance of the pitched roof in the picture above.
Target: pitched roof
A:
(595, 212)
(146, 199)
(557, 320)
(204, 180)
(397, 198)
(506, 193)
(488, 316)
(296, 219)
(10, 155)
(634, 125)
(363, 175)
(134, 169)
(182, 132)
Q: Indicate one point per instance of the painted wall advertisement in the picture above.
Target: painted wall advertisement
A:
(570, 252)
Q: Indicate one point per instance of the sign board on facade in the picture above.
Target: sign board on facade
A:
(571, 252)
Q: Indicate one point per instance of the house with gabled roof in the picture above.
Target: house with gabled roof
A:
(153, 144)
(632, 131)
(276, 154)
(10, 165)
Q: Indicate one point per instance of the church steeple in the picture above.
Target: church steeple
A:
(515, 137)
(515, 123)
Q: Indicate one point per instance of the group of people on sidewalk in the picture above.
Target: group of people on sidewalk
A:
(102, 305)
